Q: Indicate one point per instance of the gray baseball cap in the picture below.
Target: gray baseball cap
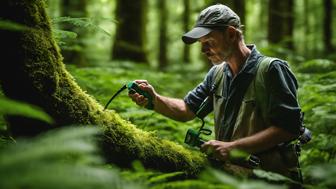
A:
(215, 17)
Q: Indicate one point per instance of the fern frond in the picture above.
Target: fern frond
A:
(87, 23)
(70, 142)
(12, 26)
(11, 107)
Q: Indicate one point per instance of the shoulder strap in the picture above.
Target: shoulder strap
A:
(260, 88)
(217, 76)
(264, 64)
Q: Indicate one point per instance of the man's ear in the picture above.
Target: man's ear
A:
(232, 33)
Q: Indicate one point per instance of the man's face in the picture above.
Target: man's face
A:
(215, 47)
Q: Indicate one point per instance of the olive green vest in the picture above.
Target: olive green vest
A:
(252, 117)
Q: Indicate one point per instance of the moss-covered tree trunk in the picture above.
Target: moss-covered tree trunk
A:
(34, 72)
(130, 39)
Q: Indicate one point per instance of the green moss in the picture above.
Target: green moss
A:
(151, 150)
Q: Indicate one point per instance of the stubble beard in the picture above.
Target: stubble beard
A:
(224, 56)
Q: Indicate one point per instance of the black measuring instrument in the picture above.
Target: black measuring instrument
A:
(133, 87)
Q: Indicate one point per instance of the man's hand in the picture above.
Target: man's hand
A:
(259, 142)
(219, 150)
(173, 108)
(140, 99)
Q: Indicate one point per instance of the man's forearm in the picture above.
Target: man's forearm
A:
(173, 108)
(263, 140)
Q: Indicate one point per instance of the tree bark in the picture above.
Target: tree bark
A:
(130, 38)
(281, 22)
(34, 73)
(74, 50)
(163, 18)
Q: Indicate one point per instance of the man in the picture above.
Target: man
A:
(255, 104)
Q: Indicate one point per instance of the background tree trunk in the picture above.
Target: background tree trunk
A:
(327, 26)
(130, 39)
(186, 28)
(74, 51)
(35, 74)
(281, 22)
(163, 18)
(238, 6)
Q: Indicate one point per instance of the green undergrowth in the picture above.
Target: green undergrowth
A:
(318, 97)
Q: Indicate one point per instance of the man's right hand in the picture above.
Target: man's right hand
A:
(140, 99)
(173, 108)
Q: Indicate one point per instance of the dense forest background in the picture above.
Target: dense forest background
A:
(150, 31)
(106, 43)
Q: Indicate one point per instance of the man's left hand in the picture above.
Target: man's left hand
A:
(218, 149)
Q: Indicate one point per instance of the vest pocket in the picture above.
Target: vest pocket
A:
(246, 120)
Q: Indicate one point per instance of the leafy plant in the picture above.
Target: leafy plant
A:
(316, 66)
(12, 26)
(62, 36)
(11, 107)
(64, 158)
(323, 176)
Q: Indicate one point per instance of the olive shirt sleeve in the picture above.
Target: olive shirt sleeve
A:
(284, 109)
(195, 97)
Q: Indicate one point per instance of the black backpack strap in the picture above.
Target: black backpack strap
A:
(216, 78)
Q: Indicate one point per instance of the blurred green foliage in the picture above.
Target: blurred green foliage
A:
(11, 107)
(11, 26)
(317, 66)
(66, 158)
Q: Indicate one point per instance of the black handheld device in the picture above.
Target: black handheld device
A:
(133, 87)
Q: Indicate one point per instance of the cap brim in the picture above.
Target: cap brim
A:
(193, 35)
